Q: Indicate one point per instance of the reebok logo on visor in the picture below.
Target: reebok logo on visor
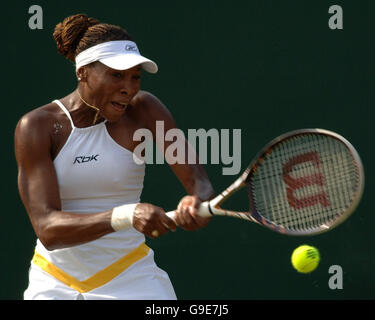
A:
(129, 47)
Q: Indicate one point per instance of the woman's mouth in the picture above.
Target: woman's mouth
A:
(119, 106)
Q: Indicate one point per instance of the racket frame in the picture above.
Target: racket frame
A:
(212, 207)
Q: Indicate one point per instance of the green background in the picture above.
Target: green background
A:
(265, 67)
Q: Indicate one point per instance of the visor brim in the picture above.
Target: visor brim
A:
(127, 61)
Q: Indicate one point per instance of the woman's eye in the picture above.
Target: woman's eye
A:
(117, 75)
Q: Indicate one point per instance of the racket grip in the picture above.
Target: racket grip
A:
(203, 211)
(171, 214)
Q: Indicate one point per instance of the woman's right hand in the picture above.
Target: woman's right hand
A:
(152, 220)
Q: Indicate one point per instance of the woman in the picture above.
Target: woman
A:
(79, 182)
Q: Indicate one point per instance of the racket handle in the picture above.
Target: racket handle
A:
(203, 211)
(171, 214)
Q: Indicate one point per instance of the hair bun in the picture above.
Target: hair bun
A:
(68, 33)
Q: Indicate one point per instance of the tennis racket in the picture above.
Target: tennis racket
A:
(304, 182)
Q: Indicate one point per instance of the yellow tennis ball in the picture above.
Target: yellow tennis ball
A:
(305, 258)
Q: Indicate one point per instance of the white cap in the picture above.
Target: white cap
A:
(119, 55)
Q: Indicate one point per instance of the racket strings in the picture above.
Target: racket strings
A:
(305, 182)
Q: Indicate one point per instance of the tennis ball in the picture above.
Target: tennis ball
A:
(305, 258)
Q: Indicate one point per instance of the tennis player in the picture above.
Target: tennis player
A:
(80, 184)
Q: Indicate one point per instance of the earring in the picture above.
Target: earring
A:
(79, 79)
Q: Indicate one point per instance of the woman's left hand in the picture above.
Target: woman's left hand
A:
(186, 214)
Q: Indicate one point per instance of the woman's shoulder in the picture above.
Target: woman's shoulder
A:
(148, 109)
(146, 99)
(150, 105)
(38, 120)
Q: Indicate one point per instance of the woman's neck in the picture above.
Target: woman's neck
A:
(83, 114)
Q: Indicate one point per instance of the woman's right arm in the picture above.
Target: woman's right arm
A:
(39, 191)
(38, 187)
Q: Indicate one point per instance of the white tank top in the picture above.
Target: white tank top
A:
(95, 174)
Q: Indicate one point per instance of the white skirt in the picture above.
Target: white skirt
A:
(143, 280)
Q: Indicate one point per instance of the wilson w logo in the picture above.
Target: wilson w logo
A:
(83, 159)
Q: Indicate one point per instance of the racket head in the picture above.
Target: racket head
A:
(304, 182)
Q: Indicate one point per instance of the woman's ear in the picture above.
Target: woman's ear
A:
(81, 74)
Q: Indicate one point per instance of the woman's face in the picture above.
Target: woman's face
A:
(111, 90)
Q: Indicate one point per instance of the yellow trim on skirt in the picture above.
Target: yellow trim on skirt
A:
(98, 279)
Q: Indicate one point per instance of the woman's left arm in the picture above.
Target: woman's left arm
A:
(184, 163)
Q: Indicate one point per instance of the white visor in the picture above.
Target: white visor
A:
(119, 55)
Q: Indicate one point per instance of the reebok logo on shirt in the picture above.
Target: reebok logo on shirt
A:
(83, 159)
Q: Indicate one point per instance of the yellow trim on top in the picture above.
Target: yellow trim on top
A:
(96, 280)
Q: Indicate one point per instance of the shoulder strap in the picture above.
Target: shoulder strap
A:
(58, 102)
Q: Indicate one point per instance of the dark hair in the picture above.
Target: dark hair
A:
(79, 32)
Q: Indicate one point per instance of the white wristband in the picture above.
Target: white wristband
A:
(122, 216)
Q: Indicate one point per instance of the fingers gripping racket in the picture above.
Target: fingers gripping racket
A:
(304, 182)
